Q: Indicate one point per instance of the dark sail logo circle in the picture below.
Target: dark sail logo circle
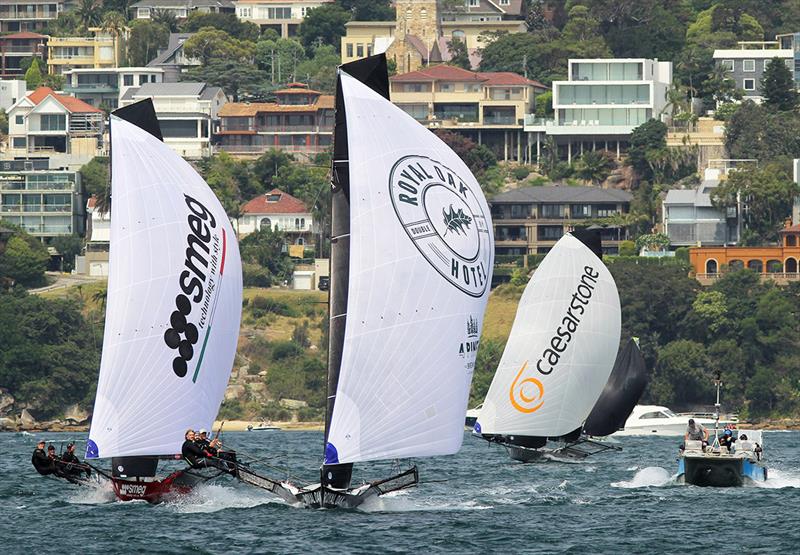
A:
(444, 218)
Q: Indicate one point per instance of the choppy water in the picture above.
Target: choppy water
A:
(477, 501)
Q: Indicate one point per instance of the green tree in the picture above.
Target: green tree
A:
(582, 36)
(24, 260)
(777, 136)
(540, 56)
(68, 246)
(369, 10)
(3, 123)
(478, 158)
(267, 249)
(146, 39)
(681, 376)
(323, 25)
(165, 18)
(94, 176)
(210, 43)
(628, 248)
(320, 71)
(267, 166)
(459, 53)
(228, 22)
(595, 166)
(486, 362)
(778, 87)
(280, 58)
(89, 13)
(767, 192)
(649, 137)
(33, 76)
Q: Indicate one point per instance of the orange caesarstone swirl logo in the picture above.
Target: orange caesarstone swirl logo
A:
(527, 395)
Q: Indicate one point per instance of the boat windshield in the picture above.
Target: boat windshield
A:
(669, 413)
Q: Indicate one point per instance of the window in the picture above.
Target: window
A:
(551, 211)
(246, 12)
(20, 120)
(581, 210)
(359, 50)
(748, 65)
(127, 80)
(749, 84)
(550, 232)
(19, 142)
(142, 79)
(144, 13)
(53, 122)
(474, 3)
(649, 415)
(447, 87)
(505, 2)
(266, 223)
(727, 65)
(349, 49)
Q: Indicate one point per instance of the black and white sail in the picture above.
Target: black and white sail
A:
(621, 393)
(411, 269)
(561, 349)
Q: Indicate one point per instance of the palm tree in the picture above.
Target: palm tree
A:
(89, 13)
(165, 18)
(114, 23)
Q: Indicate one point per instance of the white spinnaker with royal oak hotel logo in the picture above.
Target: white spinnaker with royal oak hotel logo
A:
(561, 349)
(173, 306)
(421, 255)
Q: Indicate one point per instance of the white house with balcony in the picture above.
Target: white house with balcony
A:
(187, 112)
(181, 9)
(105, 86)
(62, 128)
(278, 211)
(284, 16)
(601, 103)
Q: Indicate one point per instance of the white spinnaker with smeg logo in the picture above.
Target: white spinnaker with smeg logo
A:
(158, 235)
(420, 267)
(571, 289)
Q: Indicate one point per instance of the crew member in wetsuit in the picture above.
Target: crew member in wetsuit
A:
(198, 457)
(71, 464)
(202, 442)
(41, 462)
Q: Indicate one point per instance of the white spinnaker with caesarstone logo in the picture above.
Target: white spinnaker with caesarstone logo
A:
(523, 400)
(412, 325)
(142, 406)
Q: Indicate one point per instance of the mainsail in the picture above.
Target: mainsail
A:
(561, 348)
(419, 272)
(621, 393)
(173, 305)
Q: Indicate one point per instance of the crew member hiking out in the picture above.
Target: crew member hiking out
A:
(71, 464)
(198, 457)
(43, 464)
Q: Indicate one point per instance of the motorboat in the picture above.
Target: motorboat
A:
(716, 466)
(262, 427)
(722, 464)
(659, 420)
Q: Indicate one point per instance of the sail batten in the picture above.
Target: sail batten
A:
(561, 348)
(173, 303)
(420, 260)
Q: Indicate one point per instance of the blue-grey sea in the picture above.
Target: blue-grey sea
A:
(478, 501)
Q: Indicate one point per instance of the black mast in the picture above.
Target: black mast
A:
(372, 72)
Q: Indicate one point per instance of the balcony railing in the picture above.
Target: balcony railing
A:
(260, 149)
(499, 120)
(36, 208)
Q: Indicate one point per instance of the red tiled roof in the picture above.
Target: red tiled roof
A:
(508, 78)
(297, 91)
(436, 73)
(24, 35)
(72, 104)
(286, 205)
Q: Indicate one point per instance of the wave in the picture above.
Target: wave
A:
(651, 476)
(93, 494)
(402, 502)
(779, 479)
(210, 498)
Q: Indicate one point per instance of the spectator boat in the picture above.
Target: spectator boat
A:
(661, 421)
(717, 466)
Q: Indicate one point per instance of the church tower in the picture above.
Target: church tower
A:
(417, 30)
